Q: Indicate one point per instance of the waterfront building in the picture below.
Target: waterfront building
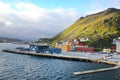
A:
(38, 47)
(75, 45)
(118, 47)
(106, 50)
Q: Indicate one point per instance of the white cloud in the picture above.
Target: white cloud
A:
(8, 23)
(5, 8)
(115, 3)
(28, 21)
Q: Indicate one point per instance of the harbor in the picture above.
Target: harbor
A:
(59, 40)
(44, 50)
(67, 62)
(87, 57)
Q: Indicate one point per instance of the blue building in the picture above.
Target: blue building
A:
(43, 48)
(53, 50)
(38, 48)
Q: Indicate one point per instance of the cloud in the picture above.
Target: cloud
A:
(30, 22)
(115, 3)
(2, 19)
(100, 5)
(8, 23)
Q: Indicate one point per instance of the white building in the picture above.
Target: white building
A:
(117, 43)
(118, 47)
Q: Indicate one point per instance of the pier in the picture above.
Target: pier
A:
(71, 57)
(97, 70)
(62, 56)
(58, 56)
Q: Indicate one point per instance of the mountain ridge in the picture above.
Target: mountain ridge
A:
(6, 39)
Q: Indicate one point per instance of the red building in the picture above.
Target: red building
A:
(84, 49)
(113, 47)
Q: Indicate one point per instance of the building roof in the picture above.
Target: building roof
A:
(39, 44)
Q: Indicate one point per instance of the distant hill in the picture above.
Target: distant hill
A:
(5, 39)
(101, 28)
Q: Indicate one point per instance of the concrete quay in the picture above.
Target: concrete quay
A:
(80, 56)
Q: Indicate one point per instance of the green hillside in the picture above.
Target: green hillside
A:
(100, 28)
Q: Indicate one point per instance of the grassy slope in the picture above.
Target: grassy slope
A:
(94, 27)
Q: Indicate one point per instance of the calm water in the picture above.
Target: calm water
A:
(26, 67)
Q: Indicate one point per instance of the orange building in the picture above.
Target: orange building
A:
(64, 47)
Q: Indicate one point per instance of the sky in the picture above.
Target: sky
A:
(34, 19)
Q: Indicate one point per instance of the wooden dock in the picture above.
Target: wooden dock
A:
(97, 70)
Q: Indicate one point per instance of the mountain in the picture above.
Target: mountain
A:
(5, 39)
(43, 40)
(100, 28)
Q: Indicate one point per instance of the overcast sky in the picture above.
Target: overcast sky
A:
(34, 19)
